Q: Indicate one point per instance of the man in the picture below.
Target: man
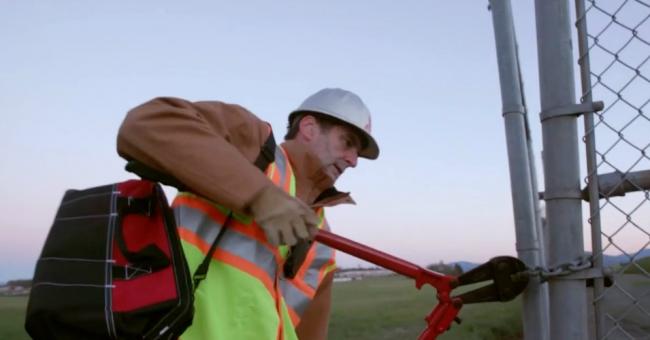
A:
(265, 280)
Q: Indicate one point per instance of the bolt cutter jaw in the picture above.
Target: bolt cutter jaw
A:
(505, 274)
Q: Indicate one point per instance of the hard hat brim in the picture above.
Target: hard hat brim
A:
(371, 151)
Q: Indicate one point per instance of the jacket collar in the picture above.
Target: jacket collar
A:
(312, 185)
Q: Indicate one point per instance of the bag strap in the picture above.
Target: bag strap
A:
(145, 172)
(266, 157)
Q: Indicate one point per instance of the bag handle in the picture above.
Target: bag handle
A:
(150, 254)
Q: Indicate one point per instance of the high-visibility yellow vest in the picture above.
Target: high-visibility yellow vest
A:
(241, 297)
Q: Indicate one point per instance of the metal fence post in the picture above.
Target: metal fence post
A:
(592, 169)
(524, 194)
(568, 298)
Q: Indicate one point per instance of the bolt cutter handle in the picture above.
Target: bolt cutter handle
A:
(440, 319)
(502, 270)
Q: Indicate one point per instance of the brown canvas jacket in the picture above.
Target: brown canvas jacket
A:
(210, 147)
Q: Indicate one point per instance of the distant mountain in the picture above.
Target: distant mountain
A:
(611, 260)
(466, 266)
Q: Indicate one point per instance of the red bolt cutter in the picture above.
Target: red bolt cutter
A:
(504, 271)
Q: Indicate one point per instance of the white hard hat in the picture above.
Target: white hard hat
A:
(347, 107)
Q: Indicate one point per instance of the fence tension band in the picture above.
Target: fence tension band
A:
(571, 110)
(560, 194)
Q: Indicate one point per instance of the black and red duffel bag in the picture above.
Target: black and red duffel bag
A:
(112, 267)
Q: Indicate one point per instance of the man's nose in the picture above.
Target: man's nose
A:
(351, 156)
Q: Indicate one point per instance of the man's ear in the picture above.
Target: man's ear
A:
(308, 128)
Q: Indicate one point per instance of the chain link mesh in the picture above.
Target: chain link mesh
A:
(618, 36)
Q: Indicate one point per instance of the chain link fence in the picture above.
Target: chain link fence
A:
(614, 37)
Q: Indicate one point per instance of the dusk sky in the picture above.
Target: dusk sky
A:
(440, 190)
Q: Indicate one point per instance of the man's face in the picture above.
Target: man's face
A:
(337, 148)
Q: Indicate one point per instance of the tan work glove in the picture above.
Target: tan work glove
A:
(284, 219)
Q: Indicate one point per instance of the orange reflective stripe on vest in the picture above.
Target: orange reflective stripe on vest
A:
(239, 250)
(299, 291)
(217, 216)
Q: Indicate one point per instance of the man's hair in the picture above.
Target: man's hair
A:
(323, 121)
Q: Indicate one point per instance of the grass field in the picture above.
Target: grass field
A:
(373, 308)
(640, 264)
(12, 317)
(392, 308)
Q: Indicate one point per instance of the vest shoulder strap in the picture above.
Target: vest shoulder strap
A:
(267, 153)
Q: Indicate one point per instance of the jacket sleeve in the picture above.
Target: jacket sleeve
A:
(208, 146)
(314, 323)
